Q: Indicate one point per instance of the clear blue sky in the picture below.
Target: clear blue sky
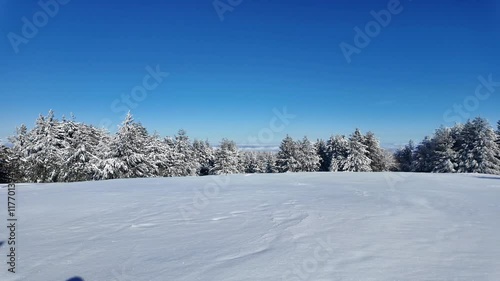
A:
(225, 77)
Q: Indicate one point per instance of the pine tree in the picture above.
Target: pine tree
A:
(286, 159)
(185, 163)
(498, 133)
(404, 157)
(357, 159)
(19, 153)
(5, 167)
(174, 161)
(375, 153)
(390, 161)
(226, 159)
(479, 151)
(424, 156)
(204, 155)
(324, 158)
(250, 162)
(309, 160)
(45, 150)
(261, 161)
(269, 162)
(498, 140)
(157, 154)
(444, 156)
(106, 166)
(456, 134)
(338, 149)
(82, 152)
(129, 156)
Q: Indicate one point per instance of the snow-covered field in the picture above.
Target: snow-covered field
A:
(272, 227)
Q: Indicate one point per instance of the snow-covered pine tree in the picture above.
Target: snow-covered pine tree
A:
(467, 137)
(5, 166)
(375, 153)
(100, 148)
(82, 154)
(498, 139)
(186, 163)
(498, 133)
(444, 155)
(268, 162)
(261, 161)
(338, 149)
(46, 150)
(19, 152)
(106, 169)
(424, 156)
(226, 159)
(390, 161)
(456, 134)
(173, 160)
(158, 153)
(286, 159)
(129, 156)
(249, 162)
(307, 156)
(357, 159)
(479, 150)
(204, 155)
(324, 157)
(163, 155)
(404, 157)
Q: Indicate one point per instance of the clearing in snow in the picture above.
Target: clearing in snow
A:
(260, 227)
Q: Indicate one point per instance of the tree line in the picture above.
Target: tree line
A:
(67, 151)
(473, 147)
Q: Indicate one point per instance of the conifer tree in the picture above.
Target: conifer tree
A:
(158, 154)
(204, 155)
(129, 155)
(45, 150)
(5, 167)
(338, 149)
(19, 152)
(82, 152)
(226, 159)
(445, 157)
(375, 153)
(357, 159)
(498, 133)
(479, 150)
(250, 162)
(269, 162)
(309, 160)
(286, 159)
(185, 162)
(456, 134)
(404, 157)
(324, 158)
(424, 156)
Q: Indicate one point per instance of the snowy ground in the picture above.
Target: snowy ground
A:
(304, 226)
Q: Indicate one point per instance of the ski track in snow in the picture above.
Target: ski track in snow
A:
(303, 226)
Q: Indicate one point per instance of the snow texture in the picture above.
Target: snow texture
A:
(260, 227)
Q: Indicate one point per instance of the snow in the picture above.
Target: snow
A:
(293, 226)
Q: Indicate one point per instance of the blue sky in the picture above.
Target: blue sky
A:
(226, 77)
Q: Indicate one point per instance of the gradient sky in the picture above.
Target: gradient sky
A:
(226, 77)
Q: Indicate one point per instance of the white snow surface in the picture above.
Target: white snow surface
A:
(261, 227)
